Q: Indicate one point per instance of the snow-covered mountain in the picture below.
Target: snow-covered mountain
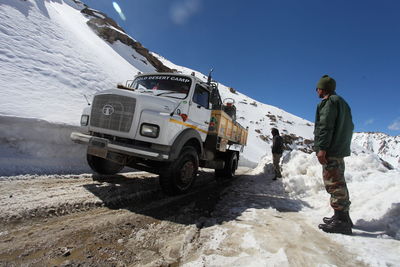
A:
(53, 53)
(385, 146)
(50, 60)
(52, 57)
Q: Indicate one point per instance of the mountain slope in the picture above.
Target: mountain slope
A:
(385, 146)
(54, 53)
(52, 56)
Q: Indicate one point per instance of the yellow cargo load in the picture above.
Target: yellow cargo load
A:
(221, 124)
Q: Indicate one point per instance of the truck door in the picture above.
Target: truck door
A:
(200, 110)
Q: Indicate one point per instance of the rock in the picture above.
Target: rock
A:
(65, 251)
(110, 31)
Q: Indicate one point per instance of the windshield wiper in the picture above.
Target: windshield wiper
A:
(146, 91)
(170, 92)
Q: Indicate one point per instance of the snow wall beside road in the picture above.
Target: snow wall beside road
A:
(32, 146)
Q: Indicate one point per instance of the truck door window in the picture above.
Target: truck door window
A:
(201, 96)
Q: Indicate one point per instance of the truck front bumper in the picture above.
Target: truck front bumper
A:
(103, 145)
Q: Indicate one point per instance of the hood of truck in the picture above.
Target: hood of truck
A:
(149, 99)
(117, 112)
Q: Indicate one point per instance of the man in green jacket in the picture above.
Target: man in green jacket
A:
(332, 137)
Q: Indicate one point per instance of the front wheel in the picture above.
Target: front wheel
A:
(180, 175)
(231, 164)
(103, 166)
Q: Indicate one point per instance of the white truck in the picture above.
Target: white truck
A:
(164, 123)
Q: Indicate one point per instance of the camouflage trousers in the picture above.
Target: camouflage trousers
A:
(335, 183)
(276, 158)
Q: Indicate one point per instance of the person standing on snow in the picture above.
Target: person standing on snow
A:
(332, 138)
(277, 150)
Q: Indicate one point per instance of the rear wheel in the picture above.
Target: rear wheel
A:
(103, 166)
(231, 164)
(180, 175)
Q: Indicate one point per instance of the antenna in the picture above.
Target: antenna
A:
(87, 100)
(209, 79)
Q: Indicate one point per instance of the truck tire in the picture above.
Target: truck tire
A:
(180, 175)
(231, 164)
(103, 166)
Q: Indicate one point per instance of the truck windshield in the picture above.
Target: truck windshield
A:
(163, 85)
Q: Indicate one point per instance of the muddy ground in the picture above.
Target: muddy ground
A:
(125, 220)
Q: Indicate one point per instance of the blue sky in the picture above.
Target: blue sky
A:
(276, 50)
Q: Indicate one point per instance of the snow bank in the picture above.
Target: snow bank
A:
(39, 147)
(373, 189)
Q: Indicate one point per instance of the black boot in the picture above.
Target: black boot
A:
(340, 224)
(344, 216)
(328, 220)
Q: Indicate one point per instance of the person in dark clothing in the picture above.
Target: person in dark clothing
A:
(277, 150)
(332, 138)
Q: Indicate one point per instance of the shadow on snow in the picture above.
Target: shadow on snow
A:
(388, 224)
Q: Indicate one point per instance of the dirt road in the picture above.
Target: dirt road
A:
(126, 221)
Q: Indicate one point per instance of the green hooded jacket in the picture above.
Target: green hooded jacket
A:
(333, 127)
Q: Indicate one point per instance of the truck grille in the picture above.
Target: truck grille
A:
(113, 112)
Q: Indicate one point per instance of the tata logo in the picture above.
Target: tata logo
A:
(108, 110)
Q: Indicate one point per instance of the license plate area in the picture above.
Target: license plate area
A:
(98, 147)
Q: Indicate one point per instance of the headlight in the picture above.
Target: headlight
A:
(149, 130)
(84, 120)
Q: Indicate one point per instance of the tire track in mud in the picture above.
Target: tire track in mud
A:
(39, 197)
(49, 196)
(211, 222)
(153, 231)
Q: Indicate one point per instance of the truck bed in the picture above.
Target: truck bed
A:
(221, 124)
